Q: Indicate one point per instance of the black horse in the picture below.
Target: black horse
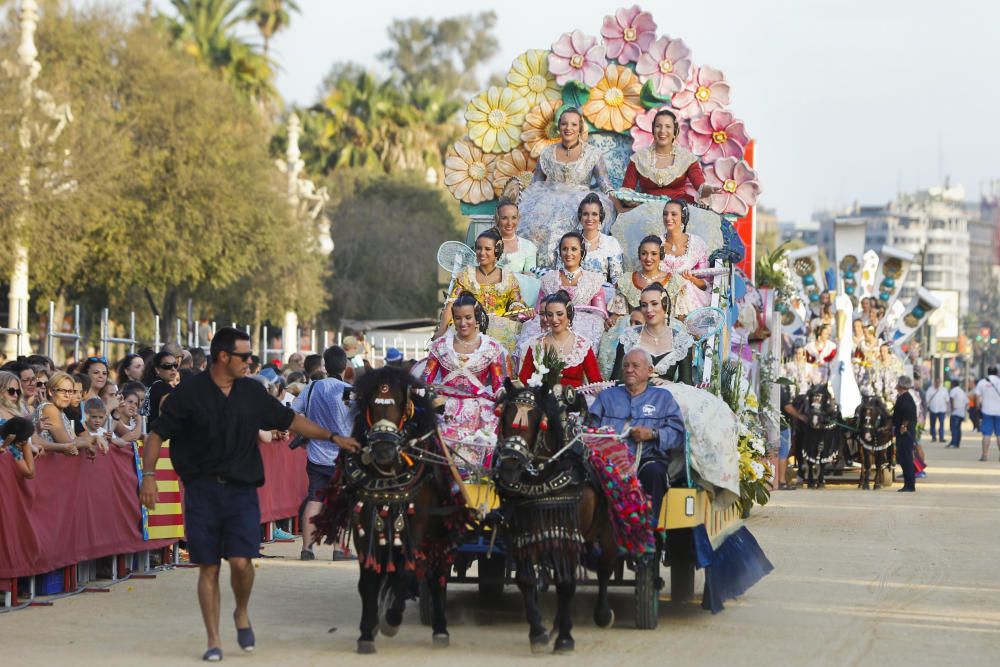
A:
(819, 437)
(396, 498)
(554, 512)
(872, 426)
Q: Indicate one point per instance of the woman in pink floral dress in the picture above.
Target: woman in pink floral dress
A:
(467, 368)
(683, 253)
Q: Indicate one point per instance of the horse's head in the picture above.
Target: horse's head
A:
(870, 418)
(391, 411)
(531, 427)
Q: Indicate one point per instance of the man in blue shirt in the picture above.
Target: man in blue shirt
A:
(323, 402)
(652, 417)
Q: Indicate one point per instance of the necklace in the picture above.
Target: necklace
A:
(673, 245)
(571, 276)
(650, 336)
(567, 149)
(648, 279)
(559, 347)
(595, 244)
(487, 275)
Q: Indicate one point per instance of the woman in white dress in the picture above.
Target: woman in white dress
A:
(604, 254)
(585, 288)
(519, 254)
(562, 178)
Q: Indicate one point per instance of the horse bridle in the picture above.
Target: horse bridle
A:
(516, 446)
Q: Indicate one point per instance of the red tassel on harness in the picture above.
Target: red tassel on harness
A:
(544, 424)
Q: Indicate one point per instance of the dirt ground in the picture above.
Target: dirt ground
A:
(874, 578)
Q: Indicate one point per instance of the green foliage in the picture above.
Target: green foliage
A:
(387, 231)
(270, 16)
(205, 30)
(768, 272)
(574, 94)
(443, 54)
(151, 191)
(652, 99)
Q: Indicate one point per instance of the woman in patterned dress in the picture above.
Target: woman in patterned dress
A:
(666, 340)
(573, 350)
(467, 368)
(562, 178)
(584, 287)
(495, 288)
(683, 253)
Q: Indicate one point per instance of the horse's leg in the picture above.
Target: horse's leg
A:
(368, 585)
(878, 457)
(564, 616)
(866, 459)
(437, 585)
(537, 634)
(604, 616)
(397, 601)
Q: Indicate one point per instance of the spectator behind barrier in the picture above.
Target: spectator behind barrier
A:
(128, 426)
(96, 368)
(15, 435)
(130, 368)
(95, 414)
(26, 374)
(199, 360)
(161, 379)
(313, 364)
(54, 427)
(11, 397)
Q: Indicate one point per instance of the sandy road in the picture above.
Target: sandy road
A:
(874, 578)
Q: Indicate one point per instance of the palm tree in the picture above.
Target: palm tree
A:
(270, 16)
(205, 29)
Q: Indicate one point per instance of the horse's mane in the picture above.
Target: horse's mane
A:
(368, 385)
(550, 407)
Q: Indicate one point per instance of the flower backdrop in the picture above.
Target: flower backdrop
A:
(618, 79)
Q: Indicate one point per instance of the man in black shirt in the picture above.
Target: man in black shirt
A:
(212, 422)
(904, 426)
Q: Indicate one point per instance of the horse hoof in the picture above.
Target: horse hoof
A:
(605, 620)
(540, 642)
(388, 630)
(564, 645)
(441, 640)
(366, 647)
(865, 487)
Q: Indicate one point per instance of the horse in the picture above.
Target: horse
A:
(397, 499)
(873, 433)
(819, 441)
(553, 509)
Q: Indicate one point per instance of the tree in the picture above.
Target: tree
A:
(270, 16)
(155, 193)
(444, 53)
(386, 227)
(205, 29)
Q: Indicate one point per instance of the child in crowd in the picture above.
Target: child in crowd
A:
(15, 433)
(128, 425)
(81, 385)
(95, 419)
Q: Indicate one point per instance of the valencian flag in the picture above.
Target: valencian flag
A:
(167, 520)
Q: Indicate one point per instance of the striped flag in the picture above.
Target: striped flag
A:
(167, 520)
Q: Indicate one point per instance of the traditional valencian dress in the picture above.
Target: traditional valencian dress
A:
(821, 357)
(468, 382)
(627, 293)
(549, 205)
(522, 260)
(588, 302)
(605, 259)
(645, 183)
(580, 363)
(695, 257)
(499, 300)
(674, 365)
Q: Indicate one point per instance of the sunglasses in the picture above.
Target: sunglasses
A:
(168, 367)
(13, 391)
(244, 356)
(98, 359)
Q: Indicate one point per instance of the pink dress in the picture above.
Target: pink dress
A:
(468, 382)
(588, 302)
(695, 257)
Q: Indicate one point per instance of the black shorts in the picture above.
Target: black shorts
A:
(319, 479)
(221, 520)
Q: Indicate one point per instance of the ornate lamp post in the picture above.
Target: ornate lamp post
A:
(26, 70)
(306, 202)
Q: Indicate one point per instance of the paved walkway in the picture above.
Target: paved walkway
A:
(861, 578)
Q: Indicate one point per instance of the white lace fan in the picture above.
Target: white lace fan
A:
(453, 256)
(703, 323)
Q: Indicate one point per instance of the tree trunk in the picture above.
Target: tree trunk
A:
(168, 316)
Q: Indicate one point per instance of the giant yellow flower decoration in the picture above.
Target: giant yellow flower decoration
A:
(513, 170)
(614, 101)
(468, 172)
(494, 119)
(539, 129)
(529, 77)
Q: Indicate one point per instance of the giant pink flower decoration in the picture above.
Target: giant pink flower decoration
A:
(706, 91)
(628, 33)
(737, 184)
(577, 57)
(667, 63)
(717, 135)
(642, 131)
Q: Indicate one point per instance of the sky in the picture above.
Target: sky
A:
(849, 100)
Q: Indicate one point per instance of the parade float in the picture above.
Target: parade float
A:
(618, 77)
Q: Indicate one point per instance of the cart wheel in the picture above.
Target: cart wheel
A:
(681, 548)
(647, 594)
(426, 605)
(492, 575)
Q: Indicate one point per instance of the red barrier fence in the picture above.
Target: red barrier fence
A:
(77, 509)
